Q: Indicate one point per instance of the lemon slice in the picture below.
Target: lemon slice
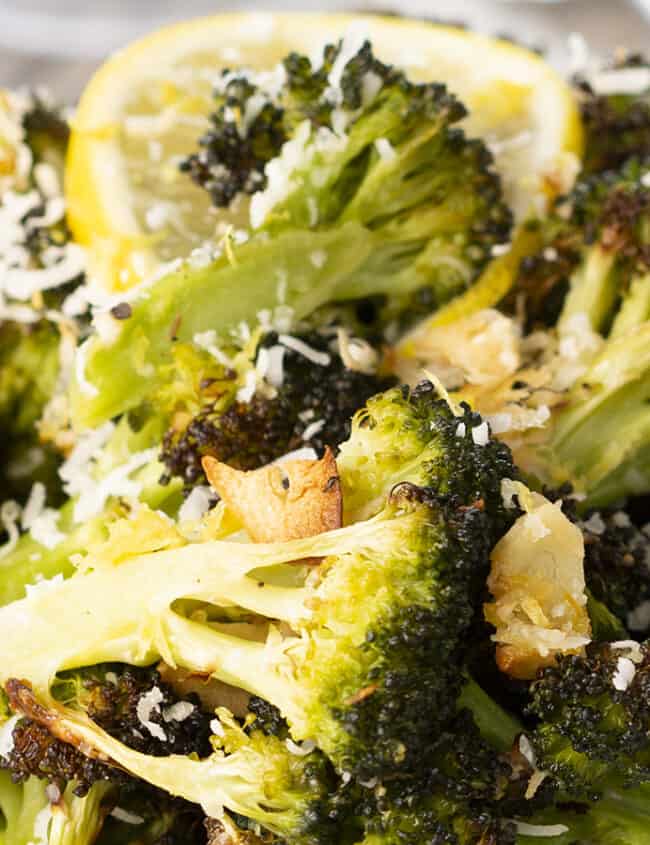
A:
(148, 105)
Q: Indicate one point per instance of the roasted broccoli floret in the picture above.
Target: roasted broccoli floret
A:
(595, 257)
(391, 201)
(370, 689)
(129, 703)
(616, 121)
(312, 405)
(593, 733)
(290, 791)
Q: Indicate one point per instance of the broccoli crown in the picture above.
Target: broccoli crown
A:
(464, 795)
(617, 126)
(255, 116)
(249, 434)
(594, 716)
(610, 208)
(413, 436)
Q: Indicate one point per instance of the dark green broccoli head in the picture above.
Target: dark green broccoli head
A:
(617, 125)
(249, 434)
(256, 114)
(466, 794)
(595, 718)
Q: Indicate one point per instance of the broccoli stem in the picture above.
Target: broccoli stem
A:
(241, 663)
(217, 297)
(242, 781)
(496, 725)
(593, 288)
(606, 423)
(635, 308)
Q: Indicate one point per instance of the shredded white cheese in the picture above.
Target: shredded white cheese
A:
(481, 434)
(321, 359)
(9, 516)
(125, 816)
(150, 703)
(93, 497)
(313, 429)
(178, 712)
(628, 80)
(197, 504)
(86, 387)
(542, 830)
(385, 149)
(300, 749)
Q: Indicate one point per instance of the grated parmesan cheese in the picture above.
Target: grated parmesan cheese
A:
(624, 674)
(178, 712)
(197, 504)
(150, 703)
(125, 816)
(481, 434)
(628, 80)
(321, 359)
(300, 749)
(9, 516)
(542, 830)
(313, 429)
(86, 387)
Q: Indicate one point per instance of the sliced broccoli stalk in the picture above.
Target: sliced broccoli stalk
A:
(27, 816)
(348, 223)
(498, 727)
(362, 685)
(634, 309)
(593, 290)
(601, 434)
(616, 819)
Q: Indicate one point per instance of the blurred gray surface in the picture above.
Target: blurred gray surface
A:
(58, 43)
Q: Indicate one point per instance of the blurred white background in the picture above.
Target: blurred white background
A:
(59, 42)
